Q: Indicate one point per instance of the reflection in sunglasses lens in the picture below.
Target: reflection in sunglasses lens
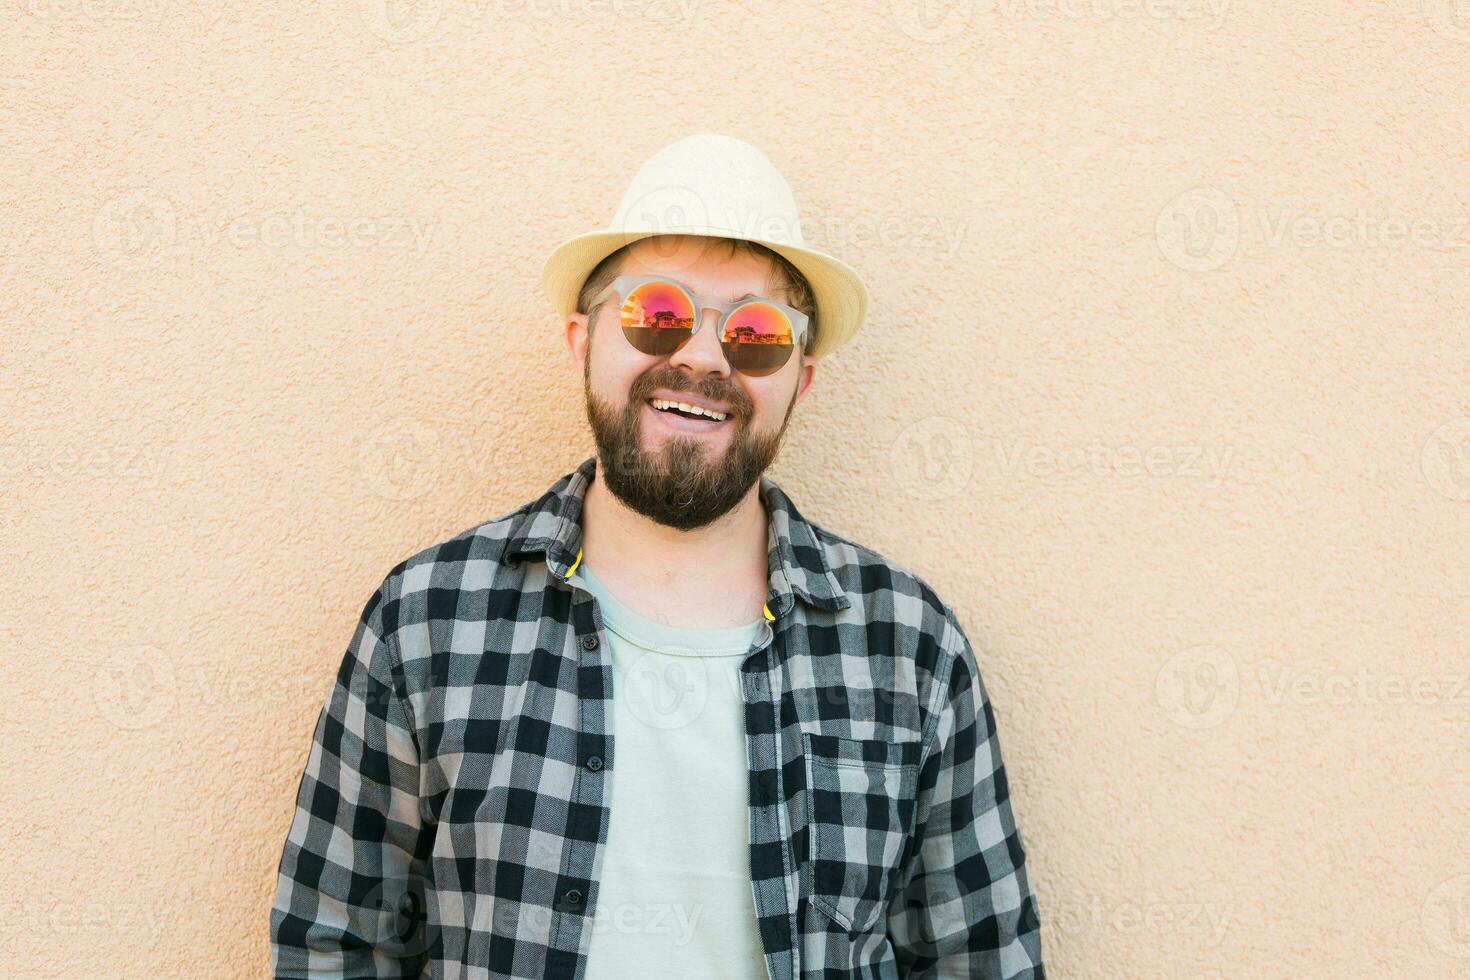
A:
(657, 318)
(757, 339)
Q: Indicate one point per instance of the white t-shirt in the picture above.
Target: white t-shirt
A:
(675, 897)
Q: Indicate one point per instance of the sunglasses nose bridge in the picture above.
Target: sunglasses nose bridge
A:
(707, 329)
(707, 321)
(710, 314)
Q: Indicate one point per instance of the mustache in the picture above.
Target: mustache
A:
(723, 392)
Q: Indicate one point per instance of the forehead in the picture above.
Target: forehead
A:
(706, 265)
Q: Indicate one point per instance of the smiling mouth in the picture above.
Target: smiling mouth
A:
(674, 419)
(665, 406)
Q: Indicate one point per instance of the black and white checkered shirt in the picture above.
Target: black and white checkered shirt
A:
(453, 813)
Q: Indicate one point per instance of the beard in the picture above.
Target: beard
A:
(678, 485)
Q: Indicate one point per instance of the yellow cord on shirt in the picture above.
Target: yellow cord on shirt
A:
(765, 607)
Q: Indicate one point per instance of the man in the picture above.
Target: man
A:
(655, 723)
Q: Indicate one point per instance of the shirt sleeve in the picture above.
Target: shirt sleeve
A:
(351, 896)
(965, 908)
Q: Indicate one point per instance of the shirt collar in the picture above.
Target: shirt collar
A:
(796, 558)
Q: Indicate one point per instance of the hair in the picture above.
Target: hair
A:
(787, 277)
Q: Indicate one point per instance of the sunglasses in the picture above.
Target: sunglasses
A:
(659, 316)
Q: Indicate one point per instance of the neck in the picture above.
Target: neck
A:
(732, 548)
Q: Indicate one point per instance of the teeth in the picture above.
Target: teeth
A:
(661, 403)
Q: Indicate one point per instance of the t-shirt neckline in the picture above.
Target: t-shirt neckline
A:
(661, 637)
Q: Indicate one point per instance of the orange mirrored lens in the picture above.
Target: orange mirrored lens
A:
(657, 318)
(757, 339)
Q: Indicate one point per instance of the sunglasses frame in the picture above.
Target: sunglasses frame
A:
(623, 285)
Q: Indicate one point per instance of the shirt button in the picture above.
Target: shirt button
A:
(589, 642)
(594, 762)
(573, 897)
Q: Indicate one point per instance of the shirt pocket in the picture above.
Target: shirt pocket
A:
(860, 807)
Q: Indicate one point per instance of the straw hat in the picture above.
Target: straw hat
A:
(709, 184)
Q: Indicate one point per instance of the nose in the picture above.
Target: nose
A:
(703, 354)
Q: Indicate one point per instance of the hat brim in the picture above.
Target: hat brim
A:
(840, 296)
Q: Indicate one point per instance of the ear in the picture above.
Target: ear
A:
(579, 338)
(804, 377)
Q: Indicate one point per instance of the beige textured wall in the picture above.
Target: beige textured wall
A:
(1164, 388)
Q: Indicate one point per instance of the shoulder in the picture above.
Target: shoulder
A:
(881, 587)
(432, 583)
(891, 597)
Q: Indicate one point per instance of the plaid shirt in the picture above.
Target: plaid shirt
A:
(453, 813)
